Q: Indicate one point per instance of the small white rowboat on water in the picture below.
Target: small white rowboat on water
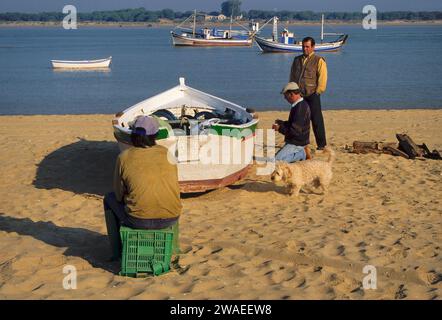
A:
(82, 64)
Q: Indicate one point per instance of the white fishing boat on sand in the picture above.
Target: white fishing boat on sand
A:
(81, 64)
(211, 138)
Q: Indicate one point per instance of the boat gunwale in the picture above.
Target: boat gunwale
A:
(187, 88)
(82, 61)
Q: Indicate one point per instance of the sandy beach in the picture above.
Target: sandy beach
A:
(247, 241)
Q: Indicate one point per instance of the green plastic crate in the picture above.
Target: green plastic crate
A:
(147, 251)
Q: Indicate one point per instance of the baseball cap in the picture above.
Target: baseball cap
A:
(149, 124)
(290, 86)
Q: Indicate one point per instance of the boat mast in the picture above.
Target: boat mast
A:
(322, 28)
(275, 28)
(194, 23)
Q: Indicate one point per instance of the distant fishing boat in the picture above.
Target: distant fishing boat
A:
(288, 43)
(211, 41)
(208, 37)
(81, 64)
(191, 123)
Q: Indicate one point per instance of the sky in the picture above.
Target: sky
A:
(214, 5)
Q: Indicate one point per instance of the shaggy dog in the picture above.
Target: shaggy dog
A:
(301, 173)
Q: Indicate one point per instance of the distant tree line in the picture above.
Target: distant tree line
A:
(231, 8)
(143, 15)
(125, 15)
(286, 15)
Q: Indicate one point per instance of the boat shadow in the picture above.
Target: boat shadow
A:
(79, 242)
(83, 167)
(191, 195)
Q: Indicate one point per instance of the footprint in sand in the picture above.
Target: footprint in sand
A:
(431, 277)
(283, 275)
(401, 292)
(340, 251)
(301, 283)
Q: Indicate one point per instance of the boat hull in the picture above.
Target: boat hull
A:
(207, 157)
(188, 186)
(179, 40)
(267, 45)
(85, 64)
(199, 176)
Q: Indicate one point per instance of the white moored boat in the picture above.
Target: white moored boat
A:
(82, 64)
(212, 139)
(211, 37)
(185, 39)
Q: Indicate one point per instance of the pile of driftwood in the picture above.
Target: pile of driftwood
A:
(405, 148)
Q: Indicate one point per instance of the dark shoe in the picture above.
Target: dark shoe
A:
(320, 148)
(114, 259)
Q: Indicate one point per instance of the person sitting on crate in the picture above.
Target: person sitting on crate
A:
(146, 190)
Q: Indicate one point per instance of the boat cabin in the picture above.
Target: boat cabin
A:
(287, 37)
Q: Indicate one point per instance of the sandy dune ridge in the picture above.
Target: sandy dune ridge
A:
(247, 241)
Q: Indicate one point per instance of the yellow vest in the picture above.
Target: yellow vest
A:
(305, 73)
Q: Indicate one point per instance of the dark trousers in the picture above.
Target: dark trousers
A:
(314, 102)
(116, 216)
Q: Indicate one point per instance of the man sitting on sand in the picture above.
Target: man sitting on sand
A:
(297, 129)
(146, 190)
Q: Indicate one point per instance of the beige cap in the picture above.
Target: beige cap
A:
(290, 86)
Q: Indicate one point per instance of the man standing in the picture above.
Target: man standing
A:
(309, 71)
(297, 129)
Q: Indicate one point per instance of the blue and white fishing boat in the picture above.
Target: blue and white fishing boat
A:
(286, 41)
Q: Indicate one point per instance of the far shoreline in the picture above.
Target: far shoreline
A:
(54, 24)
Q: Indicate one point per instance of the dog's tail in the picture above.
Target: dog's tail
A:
(331, 154)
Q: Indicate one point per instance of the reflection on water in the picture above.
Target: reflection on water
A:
(79, 70)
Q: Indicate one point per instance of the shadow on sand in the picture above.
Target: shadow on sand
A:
(88, 245)
(259, 186)
(81, 167)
